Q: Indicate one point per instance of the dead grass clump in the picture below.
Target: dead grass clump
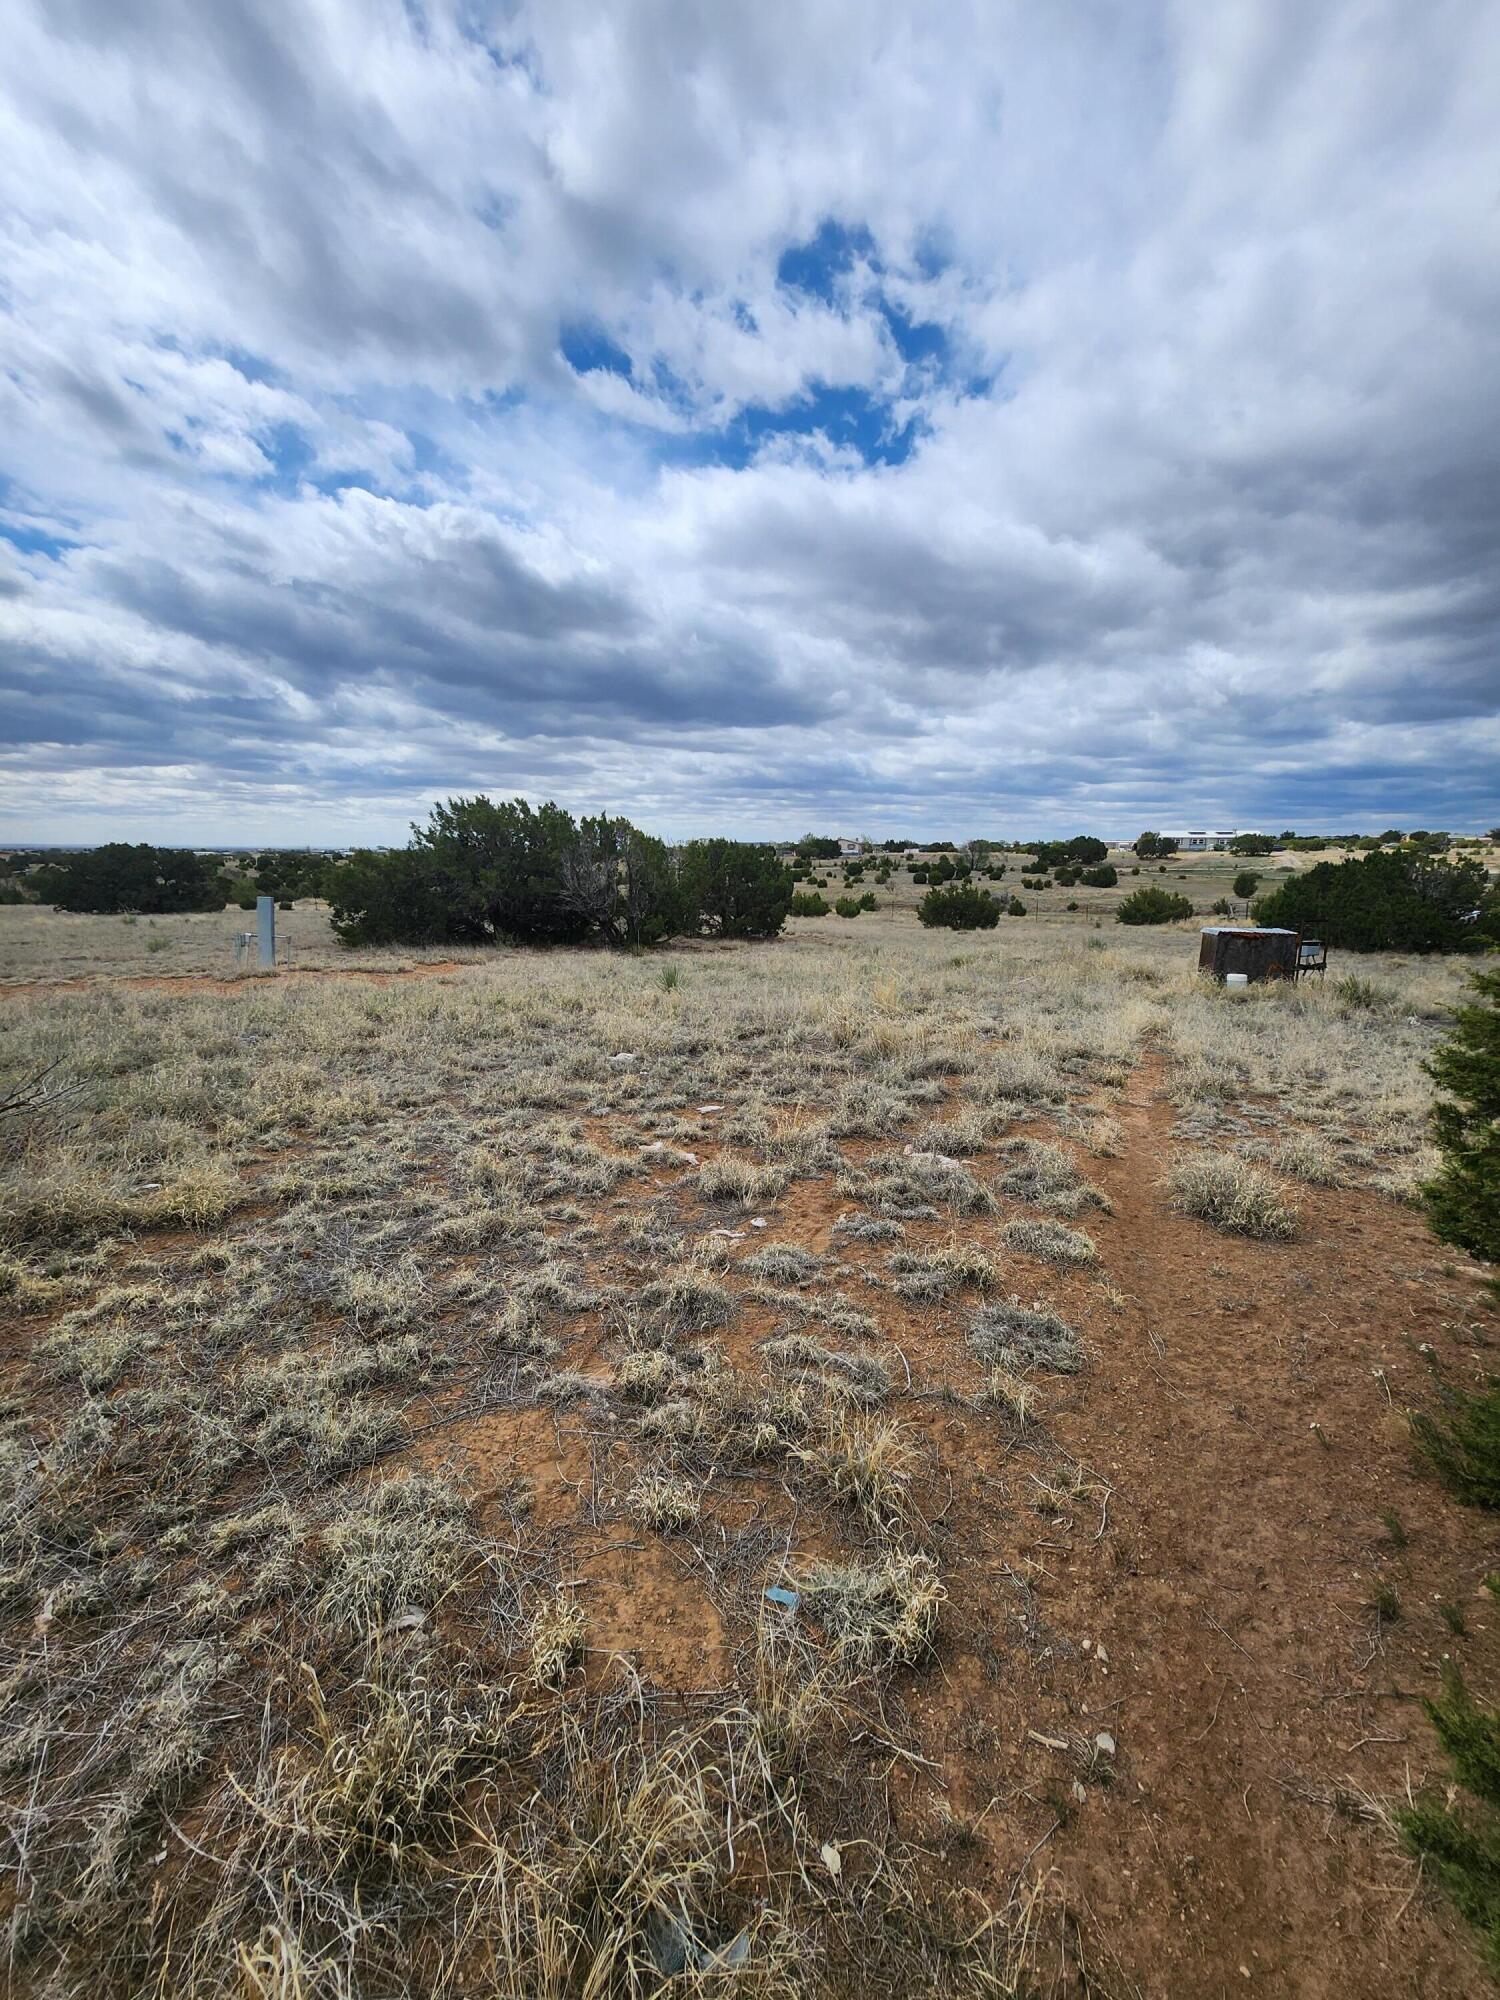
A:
(400, 1544)
(732, 1179)
(934, 1274)
(795, 1704)
(1046, 1177)
(1012, 1392)
(832, 1309)
(1051, 1242)
(879, 1614)
(1232, 1195)
(782, 1264)
(555, 1639)
(162, 1735)
(868, 1228)
(77, 1200)
(664, 1501)
(866, 1465)
(867, 1109)
(648, 1375)
(1021, 1074)
(965, 1132)
(383, 1781)
(332, 1433)
(96, 1356)
(475, 1227)
(684, 1300)
(1307, 1157)
(1017, 1337)
(676, 1421)
(858, 1378)
(381, 1295)
(909, 1184)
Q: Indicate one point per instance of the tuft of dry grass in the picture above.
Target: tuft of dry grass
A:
(879, 1614)
(1051, 1242)
(1232, 1195)
(866, 1464)
(732, 1179)
(1308, 1157)
(664, 1500)
(1015, 1337)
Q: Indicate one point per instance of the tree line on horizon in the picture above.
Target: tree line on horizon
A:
(479, 872)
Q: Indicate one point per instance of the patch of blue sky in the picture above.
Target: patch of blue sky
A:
(586, 346)
(852, 419)
(30, 534)
(817, 266)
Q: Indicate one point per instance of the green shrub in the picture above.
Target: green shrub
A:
(1390, 900)
(1457, 1839)
(809, 904)
(1083, 852)
(1015, 907)
(848, 906)
(1104, 877)
(960, 908)
(1153, 906)
(1463, 1199)
(481, 873)
(1246, 883)
(734, 888)
(867, 901)
(156, 881)
(1462, 1444)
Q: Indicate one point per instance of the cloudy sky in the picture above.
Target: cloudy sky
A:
(949, 419)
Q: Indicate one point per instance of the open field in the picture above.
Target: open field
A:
(40, 945)
(412, 1388)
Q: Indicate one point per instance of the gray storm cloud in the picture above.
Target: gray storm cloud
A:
(968, 418)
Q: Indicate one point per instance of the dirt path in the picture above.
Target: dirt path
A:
(1252, 1451)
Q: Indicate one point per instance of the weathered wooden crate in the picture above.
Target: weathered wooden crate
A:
(1259, 954)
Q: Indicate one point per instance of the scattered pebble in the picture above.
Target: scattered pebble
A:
(1105, 1743)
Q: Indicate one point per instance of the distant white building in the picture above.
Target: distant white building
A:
(851, 847)
(1200, 839)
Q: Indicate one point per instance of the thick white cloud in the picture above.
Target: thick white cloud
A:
(1125, 447)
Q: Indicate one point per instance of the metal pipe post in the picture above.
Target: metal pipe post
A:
(265, 924)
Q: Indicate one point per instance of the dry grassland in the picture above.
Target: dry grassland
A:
(411, 1392)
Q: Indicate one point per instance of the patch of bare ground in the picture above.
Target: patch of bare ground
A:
(1219, 1625)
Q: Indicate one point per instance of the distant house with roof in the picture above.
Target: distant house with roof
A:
(1201, 839)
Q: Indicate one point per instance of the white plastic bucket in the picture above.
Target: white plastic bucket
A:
(1236, 981)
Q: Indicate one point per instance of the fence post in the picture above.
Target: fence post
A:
(265, 923)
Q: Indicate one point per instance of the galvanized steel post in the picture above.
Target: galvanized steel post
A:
(265, 923)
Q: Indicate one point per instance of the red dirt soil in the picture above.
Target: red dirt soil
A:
(1207, 1601)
